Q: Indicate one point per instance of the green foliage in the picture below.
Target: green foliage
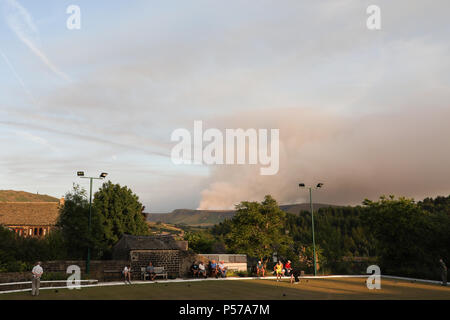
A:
(119, 211)
(410, 237)
(74, 225)
(257, 229)
(232, 273)
(18, 254)
(115, 210)
(340, 233)
(200, 242)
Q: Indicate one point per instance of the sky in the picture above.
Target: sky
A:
(366, 112)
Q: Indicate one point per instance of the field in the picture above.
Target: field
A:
(320, 289)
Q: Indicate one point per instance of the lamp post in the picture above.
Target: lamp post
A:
(318, 186)
(101, 177)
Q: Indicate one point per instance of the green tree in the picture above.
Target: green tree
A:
(200, 242)
(120, 212)
(403, 231)
(74, 225)
(258, 229)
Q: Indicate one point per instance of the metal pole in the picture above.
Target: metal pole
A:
(312, 223)
(88, 260)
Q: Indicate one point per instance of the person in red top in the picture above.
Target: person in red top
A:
(288, 268)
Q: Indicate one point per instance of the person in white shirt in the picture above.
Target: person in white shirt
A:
(127, 274)
(36, 281)
(202, 269)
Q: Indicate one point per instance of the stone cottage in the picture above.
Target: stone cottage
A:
(162, 251)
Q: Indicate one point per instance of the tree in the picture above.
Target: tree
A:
(403, 231)
(74, 225)
(200, 242)
(306, 258)
(258, 229)
(120, 212)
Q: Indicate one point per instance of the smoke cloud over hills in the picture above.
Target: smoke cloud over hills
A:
(356, 157)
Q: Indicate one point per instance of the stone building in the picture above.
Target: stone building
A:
(30, 219)
(162, 251)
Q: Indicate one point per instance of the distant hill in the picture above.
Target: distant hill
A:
(161, 228)
(22, 196)
(206, 218)
(192, 217)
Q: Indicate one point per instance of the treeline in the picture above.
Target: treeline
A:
(404, 237)
(18, 253)
(115, 210)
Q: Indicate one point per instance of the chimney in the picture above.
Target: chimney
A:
(61, 201)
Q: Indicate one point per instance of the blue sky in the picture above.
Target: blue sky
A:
(360, 110)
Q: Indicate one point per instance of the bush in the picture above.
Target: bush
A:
(52, 276)
(243, 274)
(233, 273)
(15, 266)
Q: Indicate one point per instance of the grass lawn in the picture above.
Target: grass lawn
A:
(337, 288)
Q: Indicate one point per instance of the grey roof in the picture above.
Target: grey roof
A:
(149, 242)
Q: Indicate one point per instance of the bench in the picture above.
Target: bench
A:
(159, 272)
(112, 273)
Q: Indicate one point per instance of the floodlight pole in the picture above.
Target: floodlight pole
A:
(312, 223)
(319, 185)
(88, 259)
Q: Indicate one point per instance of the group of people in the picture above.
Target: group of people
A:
(149, 271)
(280, 270)
(213, 269)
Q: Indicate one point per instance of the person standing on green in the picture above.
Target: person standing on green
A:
(36, 281)
(443, 272)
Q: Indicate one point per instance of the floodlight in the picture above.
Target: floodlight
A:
(80, 173)
(301, 185)
(103, 175)
(319, 185)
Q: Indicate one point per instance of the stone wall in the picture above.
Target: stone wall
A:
(187, 259)
(169, 259)
(6, 277)
(101, 270)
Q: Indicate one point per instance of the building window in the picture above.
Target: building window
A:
(30, 232)
(35, 231)
(40, 231)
